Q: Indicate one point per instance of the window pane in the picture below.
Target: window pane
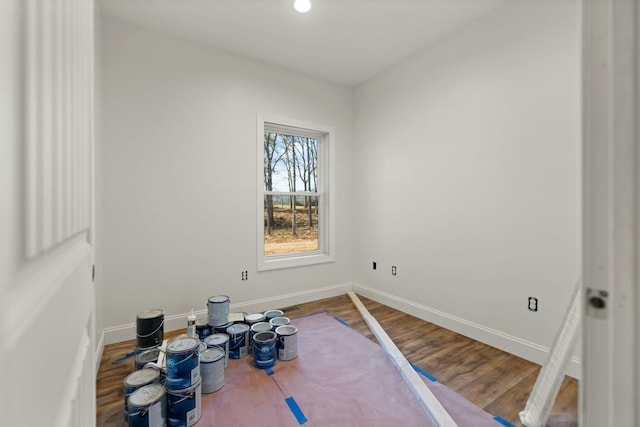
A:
(283, 235)
(290, 163)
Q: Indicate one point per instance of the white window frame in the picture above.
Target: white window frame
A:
(326, 175)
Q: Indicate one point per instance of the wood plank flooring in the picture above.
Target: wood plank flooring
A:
(496, 381)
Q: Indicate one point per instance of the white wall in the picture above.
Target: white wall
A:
(468, 176)
(179, 173)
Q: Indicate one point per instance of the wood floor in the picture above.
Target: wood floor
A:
(496, 381)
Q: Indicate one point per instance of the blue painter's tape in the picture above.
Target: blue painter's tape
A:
(296, 410)
(123, 358)
(342, 321)
(424, 373)
(269, 371)
(503, 422)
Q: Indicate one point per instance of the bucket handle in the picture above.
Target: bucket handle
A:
(194, 355)
(148, 335)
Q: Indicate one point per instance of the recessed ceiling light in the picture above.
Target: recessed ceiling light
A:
(302, 6)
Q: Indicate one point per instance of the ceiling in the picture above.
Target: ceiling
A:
(342, 41)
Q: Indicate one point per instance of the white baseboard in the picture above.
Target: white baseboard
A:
(174, 322)
(509, 343)
(99, 350)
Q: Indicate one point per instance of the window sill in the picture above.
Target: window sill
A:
(275, 263)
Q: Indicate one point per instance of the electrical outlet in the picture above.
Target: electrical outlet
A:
(533, 304)
(394, 270)
(374, 265)
(245, 275)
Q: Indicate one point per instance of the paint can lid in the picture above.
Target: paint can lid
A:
(216, 339)
(151, 314)
(142, 377)
(211, 354)
(237, 328)
(182, 344)
(286, 330)
(146, 396)
(261, 327)
(218, 298)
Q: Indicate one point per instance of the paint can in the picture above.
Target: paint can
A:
(264, 349)
(146, 356)
(270, 314)
(147, 406)
(218, 308)
(238, 340)
(287, 342)
(183, 363)
(258, 327)
(250, 319)
(222, 329)
(202, 328)
(134, 381)
(279, 321)
(222, 341)
(184, 407)
(149, 328)
(212, 369)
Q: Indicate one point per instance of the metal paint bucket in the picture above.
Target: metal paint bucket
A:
(147, 406)
(212, 369)
(264, 349)
(222, 341)
(270, 314)
(238, 340)
(279, 321)
(184, 407)
(145, 357)
(218, 307)
(134, 381)
(202, 328)
(287, 342)
(183, 363)
(252, 319)
(258, 327)
(149, 328)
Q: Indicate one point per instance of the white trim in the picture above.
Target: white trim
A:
(611, 245)
(178, 321)
(38, 283)
(99, 351)
(519, 347)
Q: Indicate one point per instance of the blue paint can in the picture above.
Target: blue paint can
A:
(183, 363)
(136, 380)
(222, 341)
(202, 328)
(147, 406)
(184, 407)
(238, 340)
(212, 369)
(264, 349)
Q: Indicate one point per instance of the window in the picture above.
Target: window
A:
(295, 197)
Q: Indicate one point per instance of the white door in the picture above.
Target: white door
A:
(47, 341)
(610, 394)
